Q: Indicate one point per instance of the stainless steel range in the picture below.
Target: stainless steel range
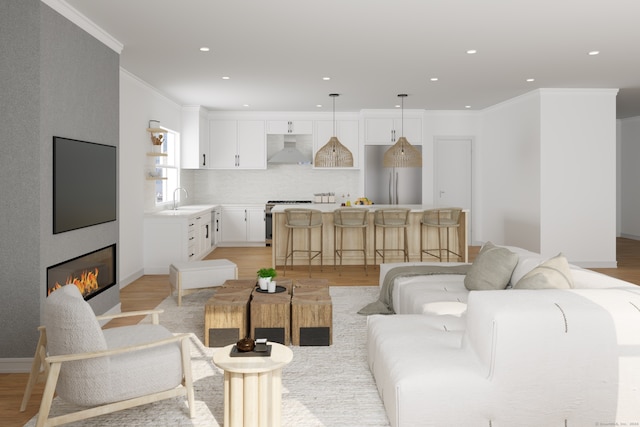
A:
(269, 218)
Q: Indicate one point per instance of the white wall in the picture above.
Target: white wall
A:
(139, 103)
(508, 169)
(630, 177)
(578, 175)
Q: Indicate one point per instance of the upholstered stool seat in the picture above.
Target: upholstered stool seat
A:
(443, 220)
(387, 219)
(306, 220)
(346, 218)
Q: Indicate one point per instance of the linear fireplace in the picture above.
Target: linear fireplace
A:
(92, 273)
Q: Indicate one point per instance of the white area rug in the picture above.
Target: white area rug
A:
(322, 386)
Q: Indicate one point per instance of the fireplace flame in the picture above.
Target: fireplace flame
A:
(86, 283)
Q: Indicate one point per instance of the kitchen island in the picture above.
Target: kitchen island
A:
(353, 237)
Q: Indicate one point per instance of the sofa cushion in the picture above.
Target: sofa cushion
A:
(551, 274)
(491, 269)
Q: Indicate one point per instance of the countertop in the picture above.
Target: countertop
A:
(185, 211)
(330, 207)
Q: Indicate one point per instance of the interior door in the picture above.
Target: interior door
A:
(453, 173)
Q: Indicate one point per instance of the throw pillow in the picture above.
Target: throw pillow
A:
(551, 274)
(491, 269)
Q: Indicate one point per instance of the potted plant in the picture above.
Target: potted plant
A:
(264, 277)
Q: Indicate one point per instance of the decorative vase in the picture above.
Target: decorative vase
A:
(263, 282)
(271, 286)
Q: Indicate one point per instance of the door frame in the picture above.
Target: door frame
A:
(443, 138)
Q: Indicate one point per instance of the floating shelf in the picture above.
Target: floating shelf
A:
(156, 130)
(151, 178)
(152, 154)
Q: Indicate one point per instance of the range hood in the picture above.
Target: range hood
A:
(290, 153)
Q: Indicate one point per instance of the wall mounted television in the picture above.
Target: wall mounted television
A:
(84, 184)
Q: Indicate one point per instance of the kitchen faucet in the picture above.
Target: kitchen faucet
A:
(186, 194)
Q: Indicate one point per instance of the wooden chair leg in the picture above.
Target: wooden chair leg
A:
(47, 395)
(38, 368)
(188, 378)
(364, 249)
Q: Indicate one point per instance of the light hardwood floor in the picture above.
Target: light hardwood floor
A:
(148, 291)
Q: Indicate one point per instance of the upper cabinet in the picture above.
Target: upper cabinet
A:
(194, 141)
(385, 130)
(284, 127)
(346, 131)
(237, 144)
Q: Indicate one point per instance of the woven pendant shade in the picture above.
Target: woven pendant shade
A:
(402, 154)
(333, 154)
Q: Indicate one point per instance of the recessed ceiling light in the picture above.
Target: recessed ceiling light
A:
(472, 51)
(204, 49)
(319, 105)
(467, 106)
(531, 80)
(225, 77)
(434, 79)
(397, 105)
(594, 52)
(326, 78)
(245, 105)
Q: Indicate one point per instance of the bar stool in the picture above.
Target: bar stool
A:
(387, 219)
(349, 218)
(302, 219)
(440, 219)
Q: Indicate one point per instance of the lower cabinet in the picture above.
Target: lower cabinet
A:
(203, 235)
(215, 221)
(242, 225)
(169, 239)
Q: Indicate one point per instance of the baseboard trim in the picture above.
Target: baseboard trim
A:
(630, 236)
(596, 264)
(15, 365)
(131, 278)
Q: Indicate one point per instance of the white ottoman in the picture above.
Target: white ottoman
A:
(189, 275)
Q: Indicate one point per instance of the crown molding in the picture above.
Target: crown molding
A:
(66, 10)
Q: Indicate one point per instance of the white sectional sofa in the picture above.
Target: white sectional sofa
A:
(509, 357)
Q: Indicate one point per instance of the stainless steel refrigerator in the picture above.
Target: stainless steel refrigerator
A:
(390, 186)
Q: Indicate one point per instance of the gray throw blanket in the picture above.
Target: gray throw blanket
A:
(384, 305)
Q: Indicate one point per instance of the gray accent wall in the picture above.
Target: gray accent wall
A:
(56, 80)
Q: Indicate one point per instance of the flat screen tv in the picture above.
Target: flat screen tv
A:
(84, 184)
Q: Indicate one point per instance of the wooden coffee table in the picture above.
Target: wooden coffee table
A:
(253, 386)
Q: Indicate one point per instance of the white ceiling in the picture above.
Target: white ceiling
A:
(277, 52)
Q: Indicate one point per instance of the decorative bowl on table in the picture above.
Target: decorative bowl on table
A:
(245, 344)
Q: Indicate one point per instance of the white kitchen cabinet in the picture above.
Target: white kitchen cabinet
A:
(242, 225)
(215, 216)
(256, 232)
(237, 144)
(347, 132)
(284, 127)
(194, 139)
(203, 234)
(175, 238)
(387, 130)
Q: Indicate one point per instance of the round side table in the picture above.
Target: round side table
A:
(253, 386)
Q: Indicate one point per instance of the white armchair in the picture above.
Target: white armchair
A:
(105, 370)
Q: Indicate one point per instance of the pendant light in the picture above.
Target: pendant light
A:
(402, 154)
(333, 154)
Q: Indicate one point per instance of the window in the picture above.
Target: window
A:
(167, 167)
